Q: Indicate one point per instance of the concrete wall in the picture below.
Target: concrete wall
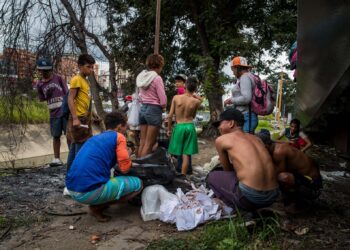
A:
(32, 149)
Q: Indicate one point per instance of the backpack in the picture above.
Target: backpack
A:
(263, 100)
(65, 108)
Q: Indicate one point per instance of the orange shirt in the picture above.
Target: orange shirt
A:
(123, 158)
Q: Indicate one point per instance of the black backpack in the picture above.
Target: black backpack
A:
(65, 108)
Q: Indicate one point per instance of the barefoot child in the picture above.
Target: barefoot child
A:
(184, 137)
(88, 179)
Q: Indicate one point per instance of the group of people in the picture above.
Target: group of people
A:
(183, 142)
(256, 169)
(253, 174)
(88, 172)
(54, 90)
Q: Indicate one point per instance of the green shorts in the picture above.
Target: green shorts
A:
(183, 140)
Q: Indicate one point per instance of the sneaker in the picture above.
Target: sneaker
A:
(66, 192)
(56, 162)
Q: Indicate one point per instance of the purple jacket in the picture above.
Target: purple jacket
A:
(53, 92)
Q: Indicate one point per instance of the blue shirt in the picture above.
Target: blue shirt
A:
(92, 165)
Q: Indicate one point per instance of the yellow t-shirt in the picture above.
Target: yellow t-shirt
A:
(82, 99)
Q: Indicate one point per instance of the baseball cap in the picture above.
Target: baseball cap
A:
(265, 136)
(181, 77)
(230, 114)
(44, 64)
(240, 61)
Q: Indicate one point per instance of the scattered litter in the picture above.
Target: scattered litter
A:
(202, 142)
(332, 176)
(65, 192)
(213, 163)
(95, 238)
(200, 170)
(287, 225)
(71, 227)
(301, 231)
(187, 211)
(342, 164)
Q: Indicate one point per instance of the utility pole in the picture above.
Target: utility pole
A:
(277, 100)
(156, 39)
(280, 97)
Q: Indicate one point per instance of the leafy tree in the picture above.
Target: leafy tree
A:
(200, 36)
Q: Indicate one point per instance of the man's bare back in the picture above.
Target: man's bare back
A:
(292, 160)
(250, 160)
(185, 107)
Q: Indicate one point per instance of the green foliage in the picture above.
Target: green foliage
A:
(198, 37)
(266, 124)
(25, 111)
(227, 235)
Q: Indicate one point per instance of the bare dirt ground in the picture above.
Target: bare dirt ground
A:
(35, 214)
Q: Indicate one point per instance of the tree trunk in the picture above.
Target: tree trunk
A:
(212, 87)
(95, 92)
(113, 95)
(213, 91)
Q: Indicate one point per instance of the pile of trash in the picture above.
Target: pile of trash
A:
(186, 210)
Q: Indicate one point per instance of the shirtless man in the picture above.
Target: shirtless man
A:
(248, 181)
(298, 175)
(184, 137)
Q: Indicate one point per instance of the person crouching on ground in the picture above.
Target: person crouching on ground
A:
(183, 140)
(298, 174)
(248, 181)
(88, 179)
(296, 137)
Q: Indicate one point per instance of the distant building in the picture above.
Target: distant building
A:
(21, 64)
(68, 67)
(104, 77)
(17, 63)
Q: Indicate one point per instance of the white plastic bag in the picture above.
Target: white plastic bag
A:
(134, 112)
(153, 198)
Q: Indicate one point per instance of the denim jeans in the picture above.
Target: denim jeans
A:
(73, 151)
(254, 122)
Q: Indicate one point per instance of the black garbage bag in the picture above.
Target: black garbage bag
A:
(155, 168)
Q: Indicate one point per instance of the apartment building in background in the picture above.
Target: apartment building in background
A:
(17, 63)
(21, 64)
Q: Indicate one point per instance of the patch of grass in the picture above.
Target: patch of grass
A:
(222, 235)
(266, 124)
(3, 222)
(24, 110)
(23, 220)
(28, 220)
(5, 174)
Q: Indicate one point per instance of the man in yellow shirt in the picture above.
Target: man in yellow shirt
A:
(79, 102)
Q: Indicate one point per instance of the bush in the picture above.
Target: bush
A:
(23, 110)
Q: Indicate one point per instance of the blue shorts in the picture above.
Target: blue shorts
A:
(112, 190)
(57, 126)
(151, 114)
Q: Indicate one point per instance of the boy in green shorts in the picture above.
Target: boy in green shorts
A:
(184, 137)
